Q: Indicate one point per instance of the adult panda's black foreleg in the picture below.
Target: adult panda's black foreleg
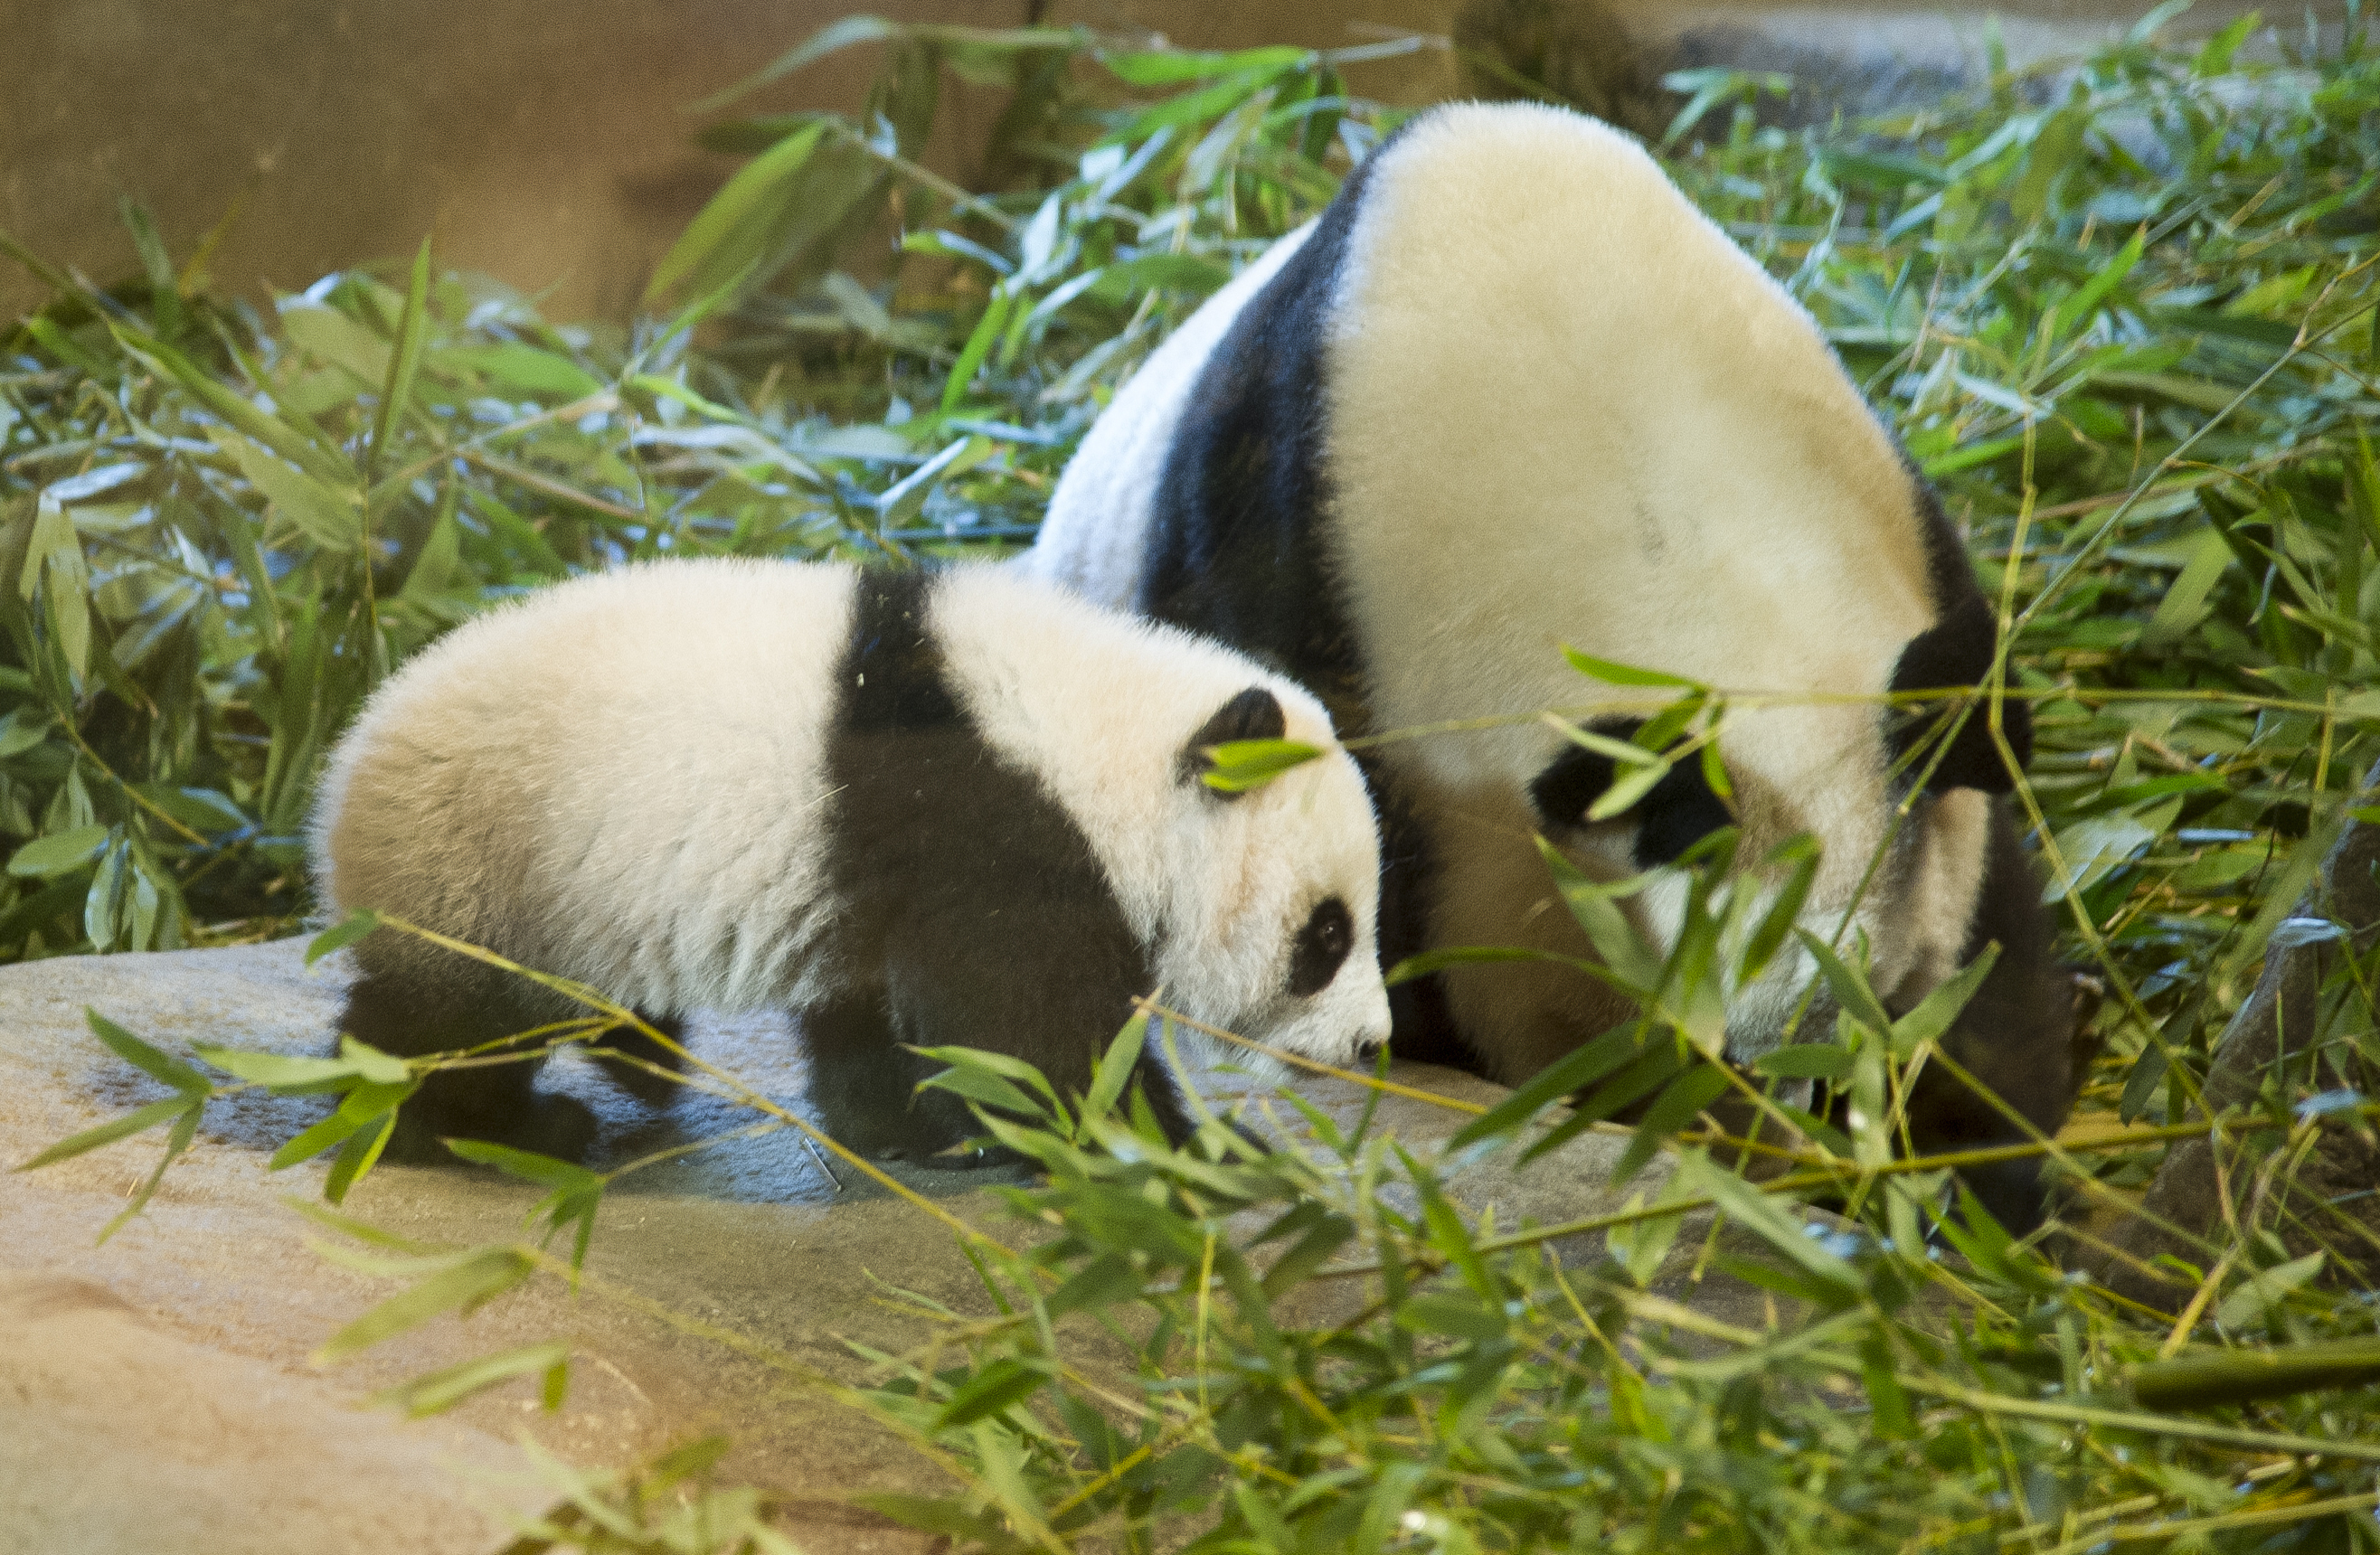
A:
(414, 1006)
(2015, 1037)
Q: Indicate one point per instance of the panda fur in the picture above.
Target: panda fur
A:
(1512, 391)
(955, 807)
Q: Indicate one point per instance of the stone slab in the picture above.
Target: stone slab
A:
(117, 1435)
(198, 1318)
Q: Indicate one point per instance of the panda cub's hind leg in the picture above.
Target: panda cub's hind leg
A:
(644, 1068)
(409, 1013)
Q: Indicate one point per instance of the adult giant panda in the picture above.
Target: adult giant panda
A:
(958, 807)
(1512, 391)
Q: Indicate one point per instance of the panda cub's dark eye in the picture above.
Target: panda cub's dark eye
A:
(1322, 944)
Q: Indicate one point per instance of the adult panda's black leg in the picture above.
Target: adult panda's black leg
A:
(2016, 1036)
(411, 1014)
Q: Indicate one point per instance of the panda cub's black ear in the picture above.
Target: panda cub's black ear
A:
(1254, 715)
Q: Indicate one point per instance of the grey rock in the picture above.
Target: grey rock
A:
(117, 1435)
(198, 1317)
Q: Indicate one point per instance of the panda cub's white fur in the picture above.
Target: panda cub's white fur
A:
(948, 808)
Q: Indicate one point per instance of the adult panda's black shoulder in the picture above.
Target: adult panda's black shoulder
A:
(960, 808)
(1511, 391)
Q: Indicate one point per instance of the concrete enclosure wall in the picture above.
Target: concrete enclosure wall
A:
(549, 144)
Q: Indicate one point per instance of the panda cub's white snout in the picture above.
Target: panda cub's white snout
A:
(1335, 972)
(1329, 1004)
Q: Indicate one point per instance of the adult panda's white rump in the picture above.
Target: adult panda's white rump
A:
(1563, 407)
(609, 778)
(1660, 460)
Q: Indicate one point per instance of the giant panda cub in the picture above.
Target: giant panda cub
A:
(1512, 391)
(917, 809)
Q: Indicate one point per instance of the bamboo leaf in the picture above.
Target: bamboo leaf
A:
(135, 1121)
(1938, 1009)
(978, 346)
(442, 1390)
(357, 1154)
(282, 1072)
(1597, 908)
(1804, 1061)
(57, 854)
(330, 518)
(1000, 1385)
(186, 1128)
(1116, 1067)
(404, 362)
(726, 238)
(1626, 675)
(342, 934)
(152, 1061)
(1626, 790)
(1680, 1101)
(384, 1069)
(1850, 991)
(472, 1279)
(1574, 1071)
(328, 469)
(1427, 961)
(1241, 765)
(2093, 292)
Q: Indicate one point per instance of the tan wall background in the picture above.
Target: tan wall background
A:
(547, 143)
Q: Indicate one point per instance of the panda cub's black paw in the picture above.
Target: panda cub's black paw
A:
(559, 1126)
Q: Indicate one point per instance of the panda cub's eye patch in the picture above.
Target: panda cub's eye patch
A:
(1322, 946)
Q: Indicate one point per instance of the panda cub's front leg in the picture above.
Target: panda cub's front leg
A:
(864, 1082)
(864, 1076)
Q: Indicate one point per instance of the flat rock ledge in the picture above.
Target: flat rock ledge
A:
(155, 1391)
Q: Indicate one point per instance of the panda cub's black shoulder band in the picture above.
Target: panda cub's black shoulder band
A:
(892, 678)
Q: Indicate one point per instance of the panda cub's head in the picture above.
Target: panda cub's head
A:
(1275, 936)
(1256, 911)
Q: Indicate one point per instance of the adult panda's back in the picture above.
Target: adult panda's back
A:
(1095, 538)
(641, 754)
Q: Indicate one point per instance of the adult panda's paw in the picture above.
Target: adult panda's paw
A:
(1672, 816)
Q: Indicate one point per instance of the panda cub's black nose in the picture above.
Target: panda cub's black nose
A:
(1368, 1052)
